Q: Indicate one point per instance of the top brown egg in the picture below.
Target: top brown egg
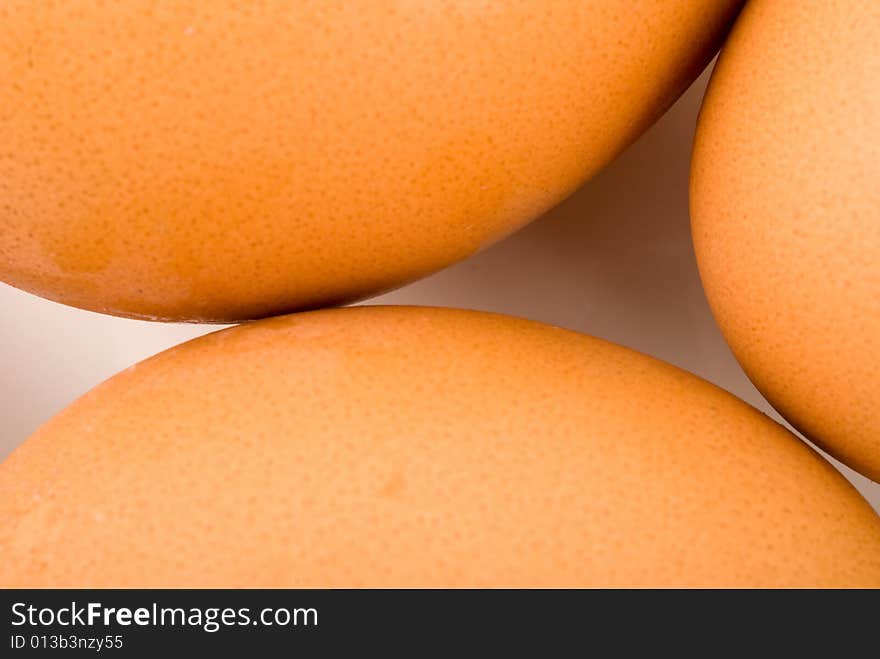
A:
(230, 160)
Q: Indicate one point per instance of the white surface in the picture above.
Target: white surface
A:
(614, 260)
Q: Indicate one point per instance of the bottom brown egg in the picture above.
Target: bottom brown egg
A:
(383, 446)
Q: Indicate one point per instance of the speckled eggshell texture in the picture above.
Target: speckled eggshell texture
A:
(785, 195)
(394, 446)
(225, 160)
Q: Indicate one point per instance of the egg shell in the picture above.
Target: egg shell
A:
(230, 160)
(785, 197)
(395, 446)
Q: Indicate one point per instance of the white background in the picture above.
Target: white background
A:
(615, 260)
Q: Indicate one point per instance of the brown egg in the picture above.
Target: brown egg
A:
(229, 160)
(396, 446)
(785, 196)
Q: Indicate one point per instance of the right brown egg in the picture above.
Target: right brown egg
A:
(785, 206)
